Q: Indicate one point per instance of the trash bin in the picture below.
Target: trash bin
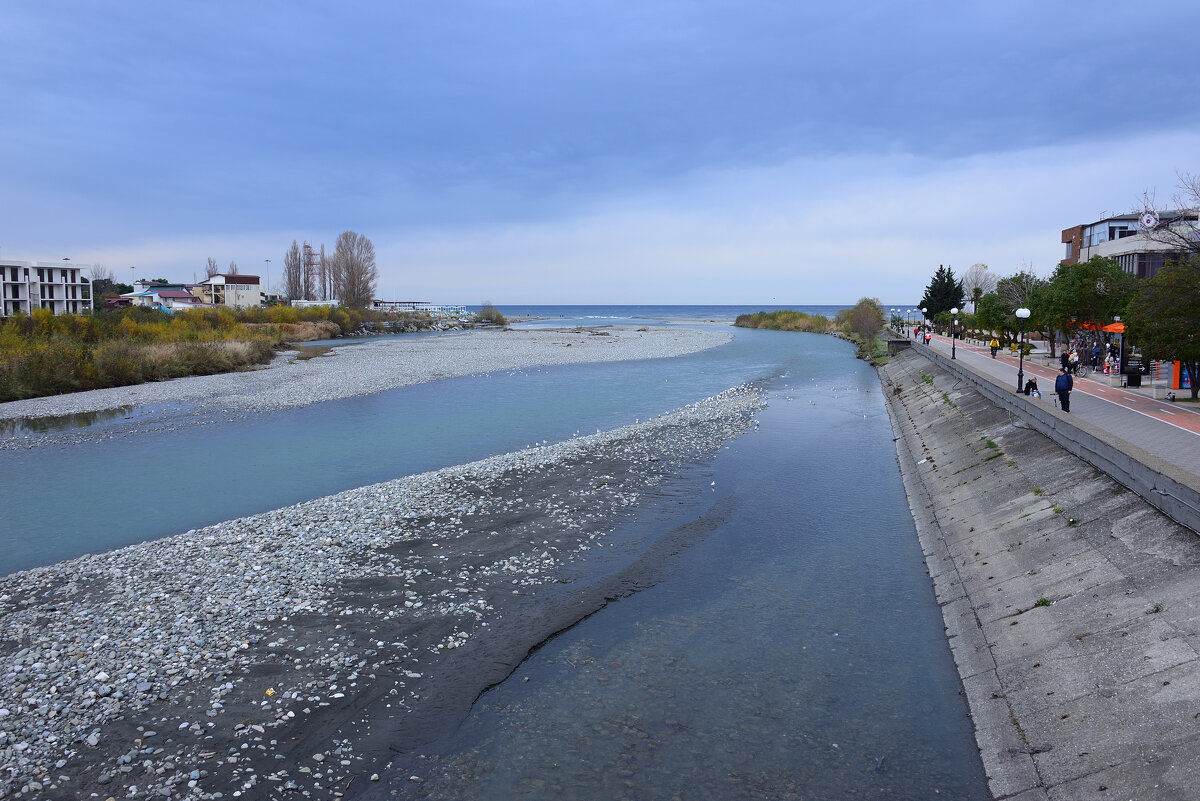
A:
(1133, 380)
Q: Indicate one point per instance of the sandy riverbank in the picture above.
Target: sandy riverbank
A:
(309, 648)
(372, 366)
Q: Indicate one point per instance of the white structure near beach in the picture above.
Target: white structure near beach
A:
(308, 304)
(29, 285)
(238, 291)
(418, 307)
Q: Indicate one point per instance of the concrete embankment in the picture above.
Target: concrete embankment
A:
(1070, 603)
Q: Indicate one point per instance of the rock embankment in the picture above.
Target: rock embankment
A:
(303, 649)
(1069, 602)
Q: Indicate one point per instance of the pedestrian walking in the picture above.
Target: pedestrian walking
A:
(1062, 387)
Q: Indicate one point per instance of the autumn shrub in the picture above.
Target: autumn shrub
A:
(785, 320)
(489, 314)
(44, 354)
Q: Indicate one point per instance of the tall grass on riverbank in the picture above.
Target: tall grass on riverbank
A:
(46, 354)
(786, 320)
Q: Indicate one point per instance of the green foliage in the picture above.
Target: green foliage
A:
(943, 293)
(1042, 602)
(785, 320)
(864, 320)
(1164, 316)
(490, 314)
(1093, 292)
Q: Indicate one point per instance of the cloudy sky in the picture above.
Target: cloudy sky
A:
(590, 151)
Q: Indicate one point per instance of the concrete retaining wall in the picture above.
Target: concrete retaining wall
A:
(1173, 491)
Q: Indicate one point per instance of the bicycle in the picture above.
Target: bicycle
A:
(1081, 370)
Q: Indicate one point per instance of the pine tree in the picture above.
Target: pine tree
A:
(944, 293)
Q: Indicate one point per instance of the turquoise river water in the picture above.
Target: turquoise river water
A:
(795, 652)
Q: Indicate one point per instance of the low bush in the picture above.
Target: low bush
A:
(785, 320)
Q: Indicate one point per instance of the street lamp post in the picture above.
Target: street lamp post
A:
(1023, 315)
(953, 329)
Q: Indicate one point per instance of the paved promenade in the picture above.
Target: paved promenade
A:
(1070, 603)
(1170, 431)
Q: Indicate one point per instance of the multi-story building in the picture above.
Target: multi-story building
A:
(29, 285)
(238, 291)
(1123, 238)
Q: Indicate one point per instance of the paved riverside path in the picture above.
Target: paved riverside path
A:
(1070, 603)
(1170, 431)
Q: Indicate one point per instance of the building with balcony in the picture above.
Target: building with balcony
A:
(237, 291)
(58, 286)
(1122, 237)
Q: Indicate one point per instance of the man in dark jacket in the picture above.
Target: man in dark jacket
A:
(1062, 387)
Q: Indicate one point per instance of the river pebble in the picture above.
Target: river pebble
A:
(127, 667)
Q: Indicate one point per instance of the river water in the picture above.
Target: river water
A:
(796, 652)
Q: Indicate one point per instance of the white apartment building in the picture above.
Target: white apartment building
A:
(29, 285)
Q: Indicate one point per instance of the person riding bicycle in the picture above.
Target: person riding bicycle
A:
(995, 346)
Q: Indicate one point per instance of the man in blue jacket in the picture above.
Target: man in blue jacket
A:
(1063, 386)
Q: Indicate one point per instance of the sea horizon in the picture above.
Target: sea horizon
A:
(669, 311)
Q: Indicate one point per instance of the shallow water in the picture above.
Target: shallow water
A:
(797, 652)
(181, 472)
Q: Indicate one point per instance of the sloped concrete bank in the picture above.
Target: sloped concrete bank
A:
(1070, 603)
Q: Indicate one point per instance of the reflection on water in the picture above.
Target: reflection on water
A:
(797, 652)
(22, 426)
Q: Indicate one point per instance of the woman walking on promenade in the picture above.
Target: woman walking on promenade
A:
(1063, 386)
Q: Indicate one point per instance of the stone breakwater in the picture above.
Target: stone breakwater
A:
(368, 367)
(304, 648)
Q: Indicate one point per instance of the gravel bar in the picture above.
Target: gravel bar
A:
(309, 649)
(373, 366)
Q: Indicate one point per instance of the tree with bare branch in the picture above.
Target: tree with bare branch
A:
(103, 281)
(309, 272)
(293, 279)
(211, 268)
(354, 272)
(1177, 228)
(324, 277)
(233, 268)
(978, 281)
